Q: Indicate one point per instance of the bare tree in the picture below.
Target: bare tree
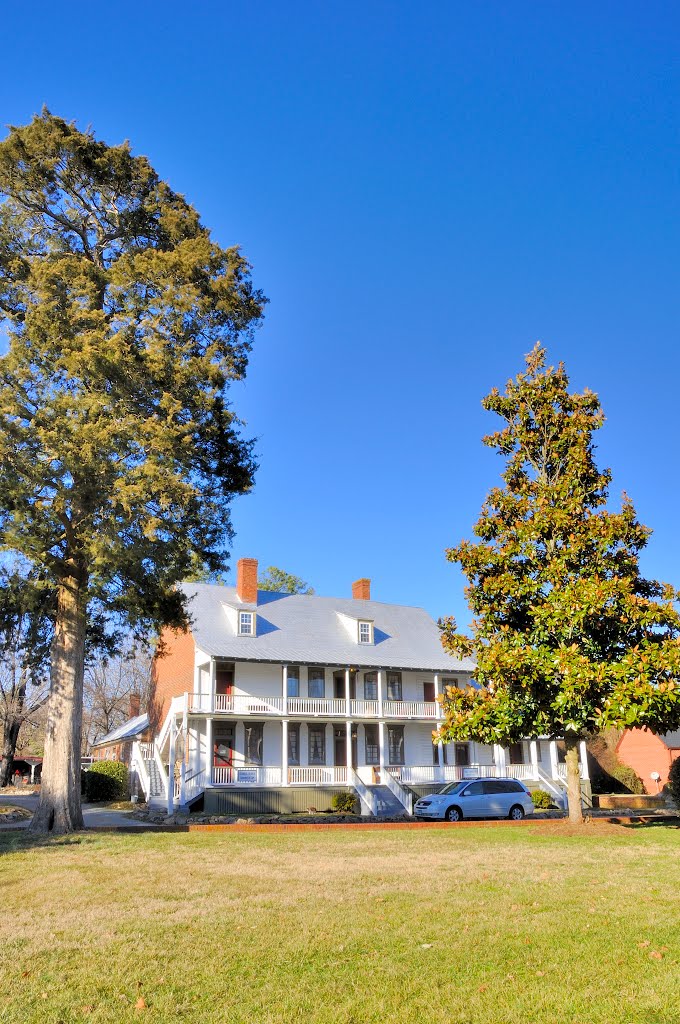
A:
(26, 612)
(110, 683)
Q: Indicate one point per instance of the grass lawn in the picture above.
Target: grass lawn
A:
(483, 925)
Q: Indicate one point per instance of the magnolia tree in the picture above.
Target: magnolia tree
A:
(119, 454)
(568, 636)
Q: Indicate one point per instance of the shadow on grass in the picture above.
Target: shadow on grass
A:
(641, 823)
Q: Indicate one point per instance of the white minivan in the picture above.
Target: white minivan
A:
(477, 798)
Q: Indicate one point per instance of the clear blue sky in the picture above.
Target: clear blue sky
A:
(423, 191)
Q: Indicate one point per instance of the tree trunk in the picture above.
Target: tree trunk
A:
(59, 807)
(9, 746)
(573, 780)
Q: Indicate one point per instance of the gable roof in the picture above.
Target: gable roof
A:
(127, 731)
(308, 629)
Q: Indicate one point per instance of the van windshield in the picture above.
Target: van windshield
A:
(454, 787)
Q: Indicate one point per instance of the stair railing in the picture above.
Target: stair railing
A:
(369, 800)
(404, 796)
(140, 768)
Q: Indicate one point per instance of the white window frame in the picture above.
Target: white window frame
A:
(250, 617)
(369, 625)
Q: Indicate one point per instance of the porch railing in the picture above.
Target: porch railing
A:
(317, 775)
(410, 709)
(247, 775)
(316, 706)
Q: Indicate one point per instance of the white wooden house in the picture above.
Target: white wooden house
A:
(273, 702)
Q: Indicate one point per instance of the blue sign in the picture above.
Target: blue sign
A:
(246, 775)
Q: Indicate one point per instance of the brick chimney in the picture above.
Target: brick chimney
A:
(135, 704)
(361, 590)
(246, 580)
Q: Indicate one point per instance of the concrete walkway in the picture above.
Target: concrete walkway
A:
(93, 815)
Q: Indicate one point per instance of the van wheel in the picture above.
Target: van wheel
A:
(516, 813)
(454, 814)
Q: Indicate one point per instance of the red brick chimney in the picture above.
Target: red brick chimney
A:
(135, 704)
(361, 590)
(246, 580)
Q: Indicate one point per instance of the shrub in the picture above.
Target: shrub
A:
(627, 777)
(674, 782)
(541, 799)
(344, 803)
(105, 780)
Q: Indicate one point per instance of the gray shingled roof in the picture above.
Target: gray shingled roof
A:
(127, 731)
(306, 629)
(672, 739)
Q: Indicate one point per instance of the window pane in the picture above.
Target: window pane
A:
(370, 687)
(253, 751)
(317, 744)
(395, 734)
(293, 684)
(372, 747)
(316, 683)
(293, 744)
(462, 753)
(516, 751)
(394, 685)
(364, 632)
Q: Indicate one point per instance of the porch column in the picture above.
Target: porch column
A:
(284, 687)
(284, 752)
(380, 692)
(584, 760)
(381, 747)
(436, 694)
(348, 726)
(500, 759)
(553, 759)
(533, 752)
(347, 703)
(213, 684)
(440, 761)
(32, 773)
(171, 768)
(208, 750)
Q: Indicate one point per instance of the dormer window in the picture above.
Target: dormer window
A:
(246, 624)
(365, 632)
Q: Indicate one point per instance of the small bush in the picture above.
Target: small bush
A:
(105, 780)
(541, 799)
(344, 803)
(674, 782)
(624, 774)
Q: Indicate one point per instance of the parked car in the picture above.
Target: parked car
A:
(477, 798)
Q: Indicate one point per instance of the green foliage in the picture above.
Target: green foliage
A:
(127, 324)
(568, 636)
(105, 780)
(674, 781)
(541, 799)
(282, 582)
(631, 782)
(344, 803)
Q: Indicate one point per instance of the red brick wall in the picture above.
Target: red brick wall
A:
(361, 589)
(172, 673)
(645, 753)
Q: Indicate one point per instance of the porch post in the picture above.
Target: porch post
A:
(284, 752)
(533, 751)
(208, 750)
(381, 747)
(500, 759)
(436, 694)
(553, 759)
(380, 692)
(584, 760)
(213, 682)
(347, 703)
(284, 687)
(171, 768)
(348, 726)
(440, 761)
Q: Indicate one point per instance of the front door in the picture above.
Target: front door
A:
(340, 746)
(223, 745)
(224, 678)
